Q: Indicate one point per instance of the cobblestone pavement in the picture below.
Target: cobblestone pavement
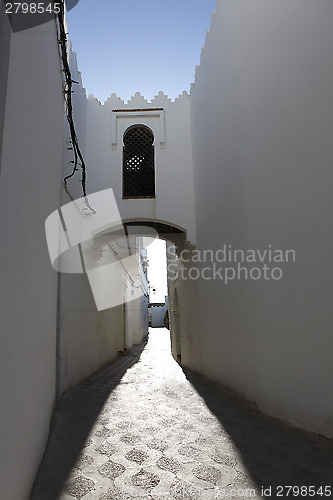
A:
(143, 427)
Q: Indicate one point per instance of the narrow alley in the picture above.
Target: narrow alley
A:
(143, 427)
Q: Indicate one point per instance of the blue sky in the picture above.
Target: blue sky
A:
(125, 46)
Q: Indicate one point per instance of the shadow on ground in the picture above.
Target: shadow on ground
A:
(274, 453)
(186, 438)
(68, 436)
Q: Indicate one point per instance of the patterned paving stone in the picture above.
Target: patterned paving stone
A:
(243, 481)
(169, 464)
(83, 462)
(102, 420)
(168, 422)
(125, 425)
(144, 415)
(130, 439)
(194, 409)
(207, 419)
(114, 493)
(106, 448)
(158, 444)
(137, 456)
(224, 459)
(207, 473)
(170, 393)
(148, 444)
(190, 451)
(204, 440)
(187, 426)
(111, 469)
(145, 479)
(126, 485)
(185, 491)
(186, 393)
(79, 487)
(103, 433)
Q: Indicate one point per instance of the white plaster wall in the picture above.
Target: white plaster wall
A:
(184, 308)
(140, 325)
(262, 128)
(88, 338)
(144, 320)
(138, 320)
(136, 294)
(157, 316)
(29, 190)
(174, 202)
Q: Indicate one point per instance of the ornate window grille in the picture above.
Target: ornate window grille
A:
(138, 163)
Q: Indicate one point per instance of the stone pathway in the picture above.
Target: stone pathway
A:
(142, 427)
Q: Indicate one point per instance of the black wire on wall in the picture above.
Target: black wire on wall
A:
(78, 157)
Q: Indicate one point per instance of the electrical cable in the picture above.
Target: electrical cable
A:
(78, 157)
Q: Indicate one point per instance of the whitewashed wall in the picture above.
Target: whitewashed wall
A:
(174, 202)
(262, 130)
(158, 315)
(187, 326)
(138, 306)
(31, 165)
(88, 338)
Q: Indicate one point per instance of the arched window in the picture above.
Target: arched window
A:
(138, 163)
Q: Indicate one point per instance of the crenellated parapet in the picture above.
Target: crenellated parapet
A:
(102, 128)
(168, 122)
(208, 41)
(139, 101)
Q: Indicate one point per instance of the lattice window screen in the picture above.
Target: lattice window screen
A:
(138, 163)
